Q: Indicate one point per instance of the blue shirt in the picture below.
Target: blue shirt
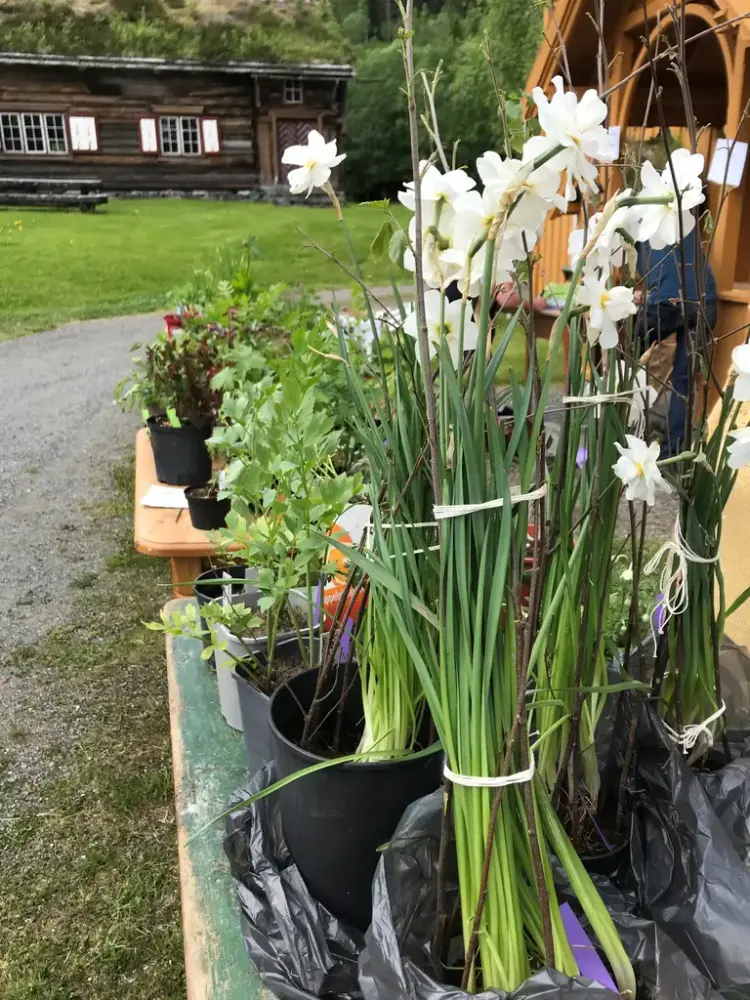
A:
(662, 271)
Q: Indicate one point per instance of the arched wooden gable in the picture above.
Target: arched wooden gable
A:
(718, 71)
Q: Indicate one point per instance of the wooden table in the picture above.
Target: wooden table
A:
(166, 532)
(208, 760)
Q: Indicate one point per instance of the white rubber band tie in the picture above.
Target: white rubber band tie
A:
(444, 511)
(690, 734)
(604, 397)
(500, 781)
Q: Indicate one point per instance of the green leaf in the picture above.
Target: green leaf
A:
(174, 420)
(379, 246)
(397, 247)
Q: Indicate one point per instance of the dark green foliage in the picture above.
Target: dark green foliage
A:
(451, 33)
(174, 29)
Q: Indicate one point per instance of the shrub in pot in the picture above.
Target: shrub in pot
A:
(171, 380)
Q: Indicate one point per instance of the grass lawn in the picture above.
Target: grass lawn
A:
(128, 255)
(90, 900)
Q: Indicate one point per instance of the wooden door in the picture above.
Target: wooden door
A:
(290, 132)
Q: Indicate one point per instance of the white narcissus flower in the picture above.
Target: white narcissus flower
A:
(637, 469)
(509, 181)
(644, 392)
(449, 325)
(607, 306)
(660, 224)
(435, 186)
(741, 362)
(314, 163)
(575, 125)
(739, 450)
(611, 247)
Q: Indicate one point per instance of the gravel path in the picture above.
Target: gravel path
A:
(61, 429)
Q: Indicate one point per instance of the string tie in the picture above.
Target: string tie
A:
(444, 511)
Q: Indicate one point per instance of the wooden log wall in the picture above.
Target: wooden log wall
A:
(118, 99)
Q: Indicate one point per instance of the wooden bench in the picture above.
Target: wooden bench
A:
(208, 762)
(55, 192)
(166, 532)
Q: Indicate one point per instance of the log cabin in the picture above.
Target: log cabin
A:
(148, 125)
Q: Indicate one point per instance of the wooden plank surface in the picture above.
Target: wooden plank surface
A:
(160, 531)
(209, 764)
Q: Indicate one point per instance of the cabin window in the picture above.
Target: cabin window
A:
(10, 127)
(191, 144)
(180, 136)
(293, 92)
(83, 134)
(33, 133)
(54, 128)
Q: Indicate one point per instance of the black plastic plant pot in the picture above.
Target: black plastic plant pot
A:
(206, 591)
(180, 453)
(335, 820)
(207, 513)
(609, 862)
(254, 703)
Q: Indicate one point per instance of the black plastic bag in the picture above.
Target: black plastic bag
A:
(689, 847)
(300, 950)
(397, 965)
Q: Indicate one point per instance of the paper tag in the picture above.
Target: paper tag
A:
(172, 497)
(719, 172)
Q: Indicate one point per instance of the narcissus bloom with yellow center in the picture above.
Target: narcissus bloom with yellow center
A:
(637, 469)
(314, 162)
(607, 307)
(577, 127)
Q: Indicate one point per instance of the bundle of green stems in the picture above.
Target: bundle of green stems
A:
(478, 654)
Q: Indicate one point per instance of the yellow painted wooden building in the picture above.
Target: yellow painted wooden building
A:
(613, 59)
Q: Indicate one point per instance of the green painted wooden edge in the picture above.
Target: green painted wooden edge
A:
(210, 765)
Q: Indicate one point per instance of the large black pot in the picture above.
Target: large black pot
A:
(206, 591)
(207, 513)
(180, 453)
(335, 820)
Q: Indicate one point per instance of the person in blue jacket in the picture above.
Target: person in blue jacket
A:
(662, 315)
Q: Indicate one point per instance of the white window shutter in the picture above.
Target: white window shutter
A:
(149, 141)
(83, 135)
(210, 130)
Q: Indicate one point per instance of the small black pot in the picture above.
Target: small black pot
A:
(207, 513)
(609, 863)
(180, 453)
(335, 820)
(205, 592)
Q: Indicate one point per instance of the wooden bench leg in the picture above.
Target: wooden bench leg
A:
(184, 571)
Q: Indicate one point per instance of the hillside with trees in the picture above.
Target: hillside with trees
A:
(449, 33)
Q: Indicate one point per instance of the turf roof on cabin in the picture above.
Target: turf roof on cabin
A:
(300, 31)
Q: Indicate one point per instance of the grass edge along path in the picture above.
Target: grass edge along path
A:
(90, 897)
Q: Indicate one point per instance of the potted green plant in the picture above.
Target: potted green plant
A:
(170, 383)
(208, 506)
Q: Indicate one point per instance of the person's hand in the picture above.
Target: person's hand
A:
(638, 296)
